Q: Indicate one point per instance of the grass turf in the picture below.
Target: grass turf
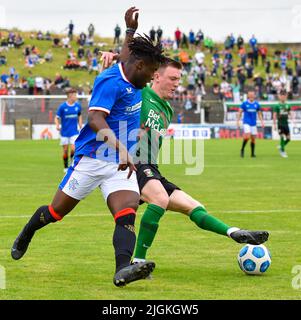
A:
(74, 259)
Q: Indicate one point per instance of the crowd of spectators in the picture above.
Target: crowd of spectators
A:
(220, 72)
(225, 72)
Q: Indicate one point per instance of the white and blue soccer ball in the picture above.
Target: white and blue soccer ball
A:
(254, 259)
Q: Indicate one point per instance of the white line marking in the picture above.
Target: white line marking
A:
(108, 214)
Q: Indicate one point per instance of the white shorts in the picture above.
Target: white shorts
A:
(68, 140)
(250, 129)
(86, 174)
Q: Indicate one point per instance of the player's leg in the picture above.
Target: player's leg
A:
(180, 201)
(75, 186)
(253, 143)
(287, 137)
(60, 206)
(154, 194)
(72, 147)
(246, 137)
(122, 197)
(72, 150)
(65, 156)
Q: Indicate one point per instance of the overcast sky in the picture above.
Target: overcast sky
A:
(269, 20)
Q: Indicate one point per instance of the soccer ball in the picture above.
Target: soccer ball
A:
(254, 259)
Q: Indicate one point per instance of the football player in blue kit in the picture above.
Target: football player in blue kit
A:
(250, 108)
(103, 157)
(68, 120)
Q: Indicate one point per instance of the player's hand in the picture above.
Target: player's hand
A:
(58, 128)
(262, 124)
(131, 18)
(126, 161)
(237, 124)
(107, 58)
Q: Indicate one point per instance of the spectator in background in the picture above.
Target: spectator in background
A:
(48, 56)
(48, 36)
(152, 34)
(82, 39)
(66, 42)
(232, 41)
(263, 52)
(180, 117)
(295, 85)
(199, 56)
(117, 32)
(40, 35)
(159, 34)
(243, 55)
(199, 38)
(209, 44)
(178, 37)
(184, 41)
(70, 30)
(91, 30)
(236, 92)
(191, 38)
(259, 84)
(30, 83)
(3, 89)
(81, 52)
(240, 42)
(39, 85)
(268, 67)
(56, 42)
(253, 42)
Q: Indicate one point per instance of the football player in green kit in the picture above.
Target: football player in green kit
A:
(281, 115)
(159, 193)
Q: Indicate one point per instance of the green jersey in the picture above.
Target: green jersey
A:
(155, 118)
(282, 110)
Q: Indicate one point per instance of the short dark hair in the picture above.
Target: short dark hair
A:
(70, 90)
(142, 47)
(168, 62)
(282, 93)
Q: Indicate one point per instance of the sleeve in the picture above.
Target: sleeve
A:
(104, 94)
(59, 112)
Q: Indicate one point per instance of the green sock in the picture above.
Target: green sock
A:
(148, 228)
(282, 143)
(286, 142)
(203, 220)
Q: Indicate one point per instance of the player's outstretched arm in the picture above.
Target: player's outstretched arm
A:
(131, 21)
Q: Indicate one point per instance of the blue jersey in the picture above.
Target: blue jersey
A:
(69, 118)
(114, 94)
(250, 110)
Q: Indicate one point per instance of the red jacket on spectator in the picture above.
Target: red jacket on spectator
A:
(178, 34)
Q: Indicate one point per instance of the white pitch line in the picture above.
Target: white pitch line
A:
(108, 214)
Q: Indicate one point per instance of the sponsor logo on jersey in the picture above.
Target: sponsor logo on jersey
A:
(129, 90)
(134, 107)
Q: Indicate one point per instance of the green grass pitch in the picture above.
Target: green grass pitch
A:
(73, 259)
